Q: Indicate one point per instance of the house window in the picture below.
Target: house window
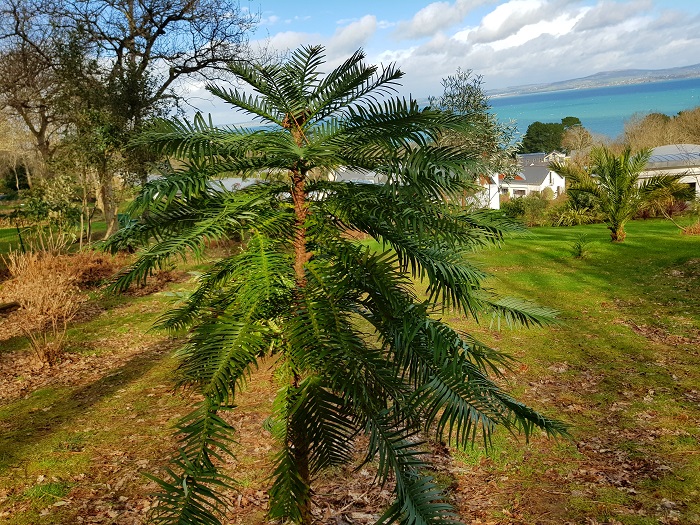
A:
(519, 193)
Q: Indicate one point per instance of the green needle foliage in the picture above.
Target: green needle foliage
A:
(359, 350)
(613, 183)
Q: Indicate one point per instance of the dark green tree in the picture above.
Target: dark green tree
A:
(569, 122)
(358, 350)
(546, 136)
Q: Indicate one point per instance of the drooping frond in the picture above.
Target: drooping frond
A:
(418, 499)
(184, 500)
(187, 227)
(193, 492)
(326, 423)
(289, 487)
(220, 353)
(518, 312)
(419, 502)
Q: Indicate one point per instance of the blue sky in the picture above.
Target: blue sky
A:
(509, 42)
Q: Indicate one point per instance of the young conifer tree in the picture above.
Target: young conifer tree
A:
(359, 350)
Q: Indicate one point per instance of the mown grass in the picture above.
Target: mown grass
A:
(621, 368)
(8, 239)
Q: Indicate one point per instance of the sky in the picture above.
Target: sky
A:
(508, 43)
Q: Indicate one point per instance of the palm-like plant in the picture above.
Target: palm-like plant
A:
(612, 181)
(357, 347)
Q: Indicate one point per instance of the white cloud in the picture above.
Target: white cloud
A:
(533, 41)
(297, 19)
(608, 14)
(269, 20)
(515, 42)
(435, 17)
(348, 39)
(290, 40)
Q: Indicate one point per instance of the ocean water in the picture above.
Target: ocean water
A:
(601, 110)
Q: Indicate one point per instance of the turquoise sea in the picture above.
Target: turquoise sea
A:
(601, 110)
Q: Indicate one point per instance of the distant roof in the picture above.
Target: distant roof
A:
(538, 159)
(674, 156)
(528, 159)
(676, 148)
(351, 175)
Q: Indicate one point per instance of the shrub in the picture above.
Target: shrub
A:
(580, 246)
(92, 268)
(47, 286)
(44, 285)
(568, 215)
(531, 209)
(693, 229)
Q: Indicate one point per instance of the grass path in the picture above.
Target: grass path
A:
(622, 367)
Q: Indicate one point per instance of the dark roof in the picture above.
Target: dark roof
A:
(534, 175)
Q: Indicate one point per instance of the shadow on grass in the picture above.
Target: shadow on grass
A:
(27, 423)
(13, 344)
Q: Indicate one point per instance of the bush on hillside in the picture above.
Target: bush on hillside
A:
(44, 286)
(48, 287)
(531, 209)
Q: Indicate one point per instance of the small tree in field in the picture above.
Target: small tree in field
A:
(358, 350)
(618, 193)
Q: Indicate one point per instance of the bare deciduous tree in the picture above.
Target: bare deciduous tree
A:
(139, 50)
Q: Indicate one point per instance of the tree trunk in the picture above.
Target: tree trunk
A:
(617, 233)
(300, 446)
(299, 441)
(27, 173)
(106, 201)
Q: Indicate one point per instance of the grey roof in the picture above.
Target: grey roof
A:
(676, 148)
(534, 175)
(679, 160)
(528, 159)
(365, 177)
(674, 156)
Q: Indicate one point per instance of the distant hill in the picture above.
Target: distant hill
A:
(604, 79)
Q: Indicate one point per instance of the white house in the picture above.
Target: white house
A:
(488, 197)
(675, 159)
(534, 175)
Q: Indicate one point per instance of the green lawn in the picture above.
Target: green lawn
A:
(622, 367)
(8, 239)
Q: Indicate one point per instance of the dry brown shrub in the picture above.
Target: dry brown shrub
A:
(46, 286)
(92, 268)
(693, 229)
(48, 240)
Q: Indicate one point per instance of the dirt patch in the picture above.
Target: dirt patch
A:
(23, 373)
(660, 335)
(158, 282)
